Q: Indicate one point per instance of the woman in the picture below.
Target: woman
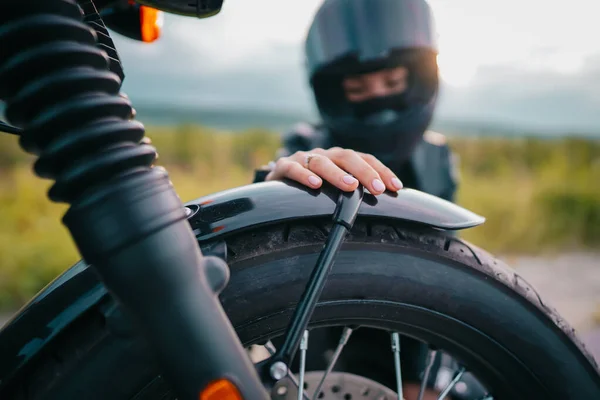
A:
(372, 66)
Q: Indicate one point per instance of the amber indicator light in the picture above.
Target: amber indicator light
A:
(220, 389)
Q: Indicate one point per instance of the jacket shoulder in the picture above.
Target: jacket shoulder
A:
(436, 166)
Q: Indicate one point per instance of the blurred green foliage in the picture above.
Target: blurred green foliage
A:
(538, 195)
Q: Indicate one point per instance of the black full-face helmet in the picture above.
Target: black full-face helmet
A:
(349, 37)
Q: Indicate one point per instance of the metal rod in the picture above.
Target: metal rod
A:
(343, 218)
(343, 340)
(451, 384)
(303, 349)
(311, 294)
(431, 355)
(396, 350)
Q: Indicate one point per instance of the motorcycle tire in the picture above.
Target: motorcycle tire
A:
(412, 279)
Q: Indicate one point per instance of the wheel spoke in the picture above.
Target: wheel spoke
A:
(396, 350)
(343, 340)
(431, 356)
(303, 349)
(451, 384)
(270, 348)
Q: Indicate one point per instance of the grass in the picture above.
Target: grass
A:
(537, 195)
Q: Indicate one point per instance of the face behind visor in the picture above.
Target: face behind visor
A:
(356, 37)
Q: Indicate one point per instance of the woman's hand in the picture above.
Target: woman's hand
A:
(342, 168)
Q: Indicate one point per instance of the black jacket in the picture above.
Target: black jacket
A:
(432, 168)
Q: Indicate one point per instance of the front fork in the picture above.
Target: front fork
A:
(125, 217)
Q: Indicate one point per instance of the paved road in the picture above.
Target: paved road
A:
(570, 282)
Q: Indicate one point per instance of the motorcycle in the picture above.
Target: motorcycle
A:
(169, 296)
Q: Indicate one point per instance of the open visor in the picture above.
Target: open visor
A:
(367, 31)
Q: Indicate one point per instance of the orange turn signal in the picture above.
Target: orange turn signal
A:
(221, 389)
(151, 21)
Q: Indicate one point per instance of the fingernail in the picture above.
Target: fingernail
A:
(313, 180)
(397, 184)
(378, 185)
(349, 180)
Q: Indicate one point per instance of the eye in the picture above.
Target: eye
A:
(396, 78)
(355, 90)
(397, 81)
(354, 87)
(392, 83)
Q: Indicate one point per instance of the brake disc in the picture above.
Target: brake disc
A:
(337, 386)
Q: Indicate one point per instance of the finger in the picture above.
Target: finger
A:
(326, 169)
(300, 156)
(286, 168)
(353, 163)
(387, 176)
(321, 165)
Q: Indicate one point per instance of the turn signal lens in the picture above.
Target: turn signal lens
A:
(151, 22)
(221, 389)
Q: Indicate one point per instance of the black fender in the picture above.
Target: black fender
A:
(270, 202)
(79, 289)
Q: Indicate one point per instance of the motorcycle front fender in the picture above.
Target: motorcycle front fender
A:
(266, 203)
(78, 290)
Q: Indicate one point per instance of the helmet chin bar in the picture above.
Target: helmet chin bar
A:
(380, 118)
(390, 137)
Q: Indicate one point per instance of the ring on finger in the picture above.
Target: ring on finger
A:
(307, 159)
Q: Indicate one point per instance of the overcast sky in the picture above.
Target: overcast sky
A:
(529, 62)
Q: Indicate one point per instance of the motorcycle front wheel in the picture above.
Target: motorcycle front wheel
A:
(422, 283)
